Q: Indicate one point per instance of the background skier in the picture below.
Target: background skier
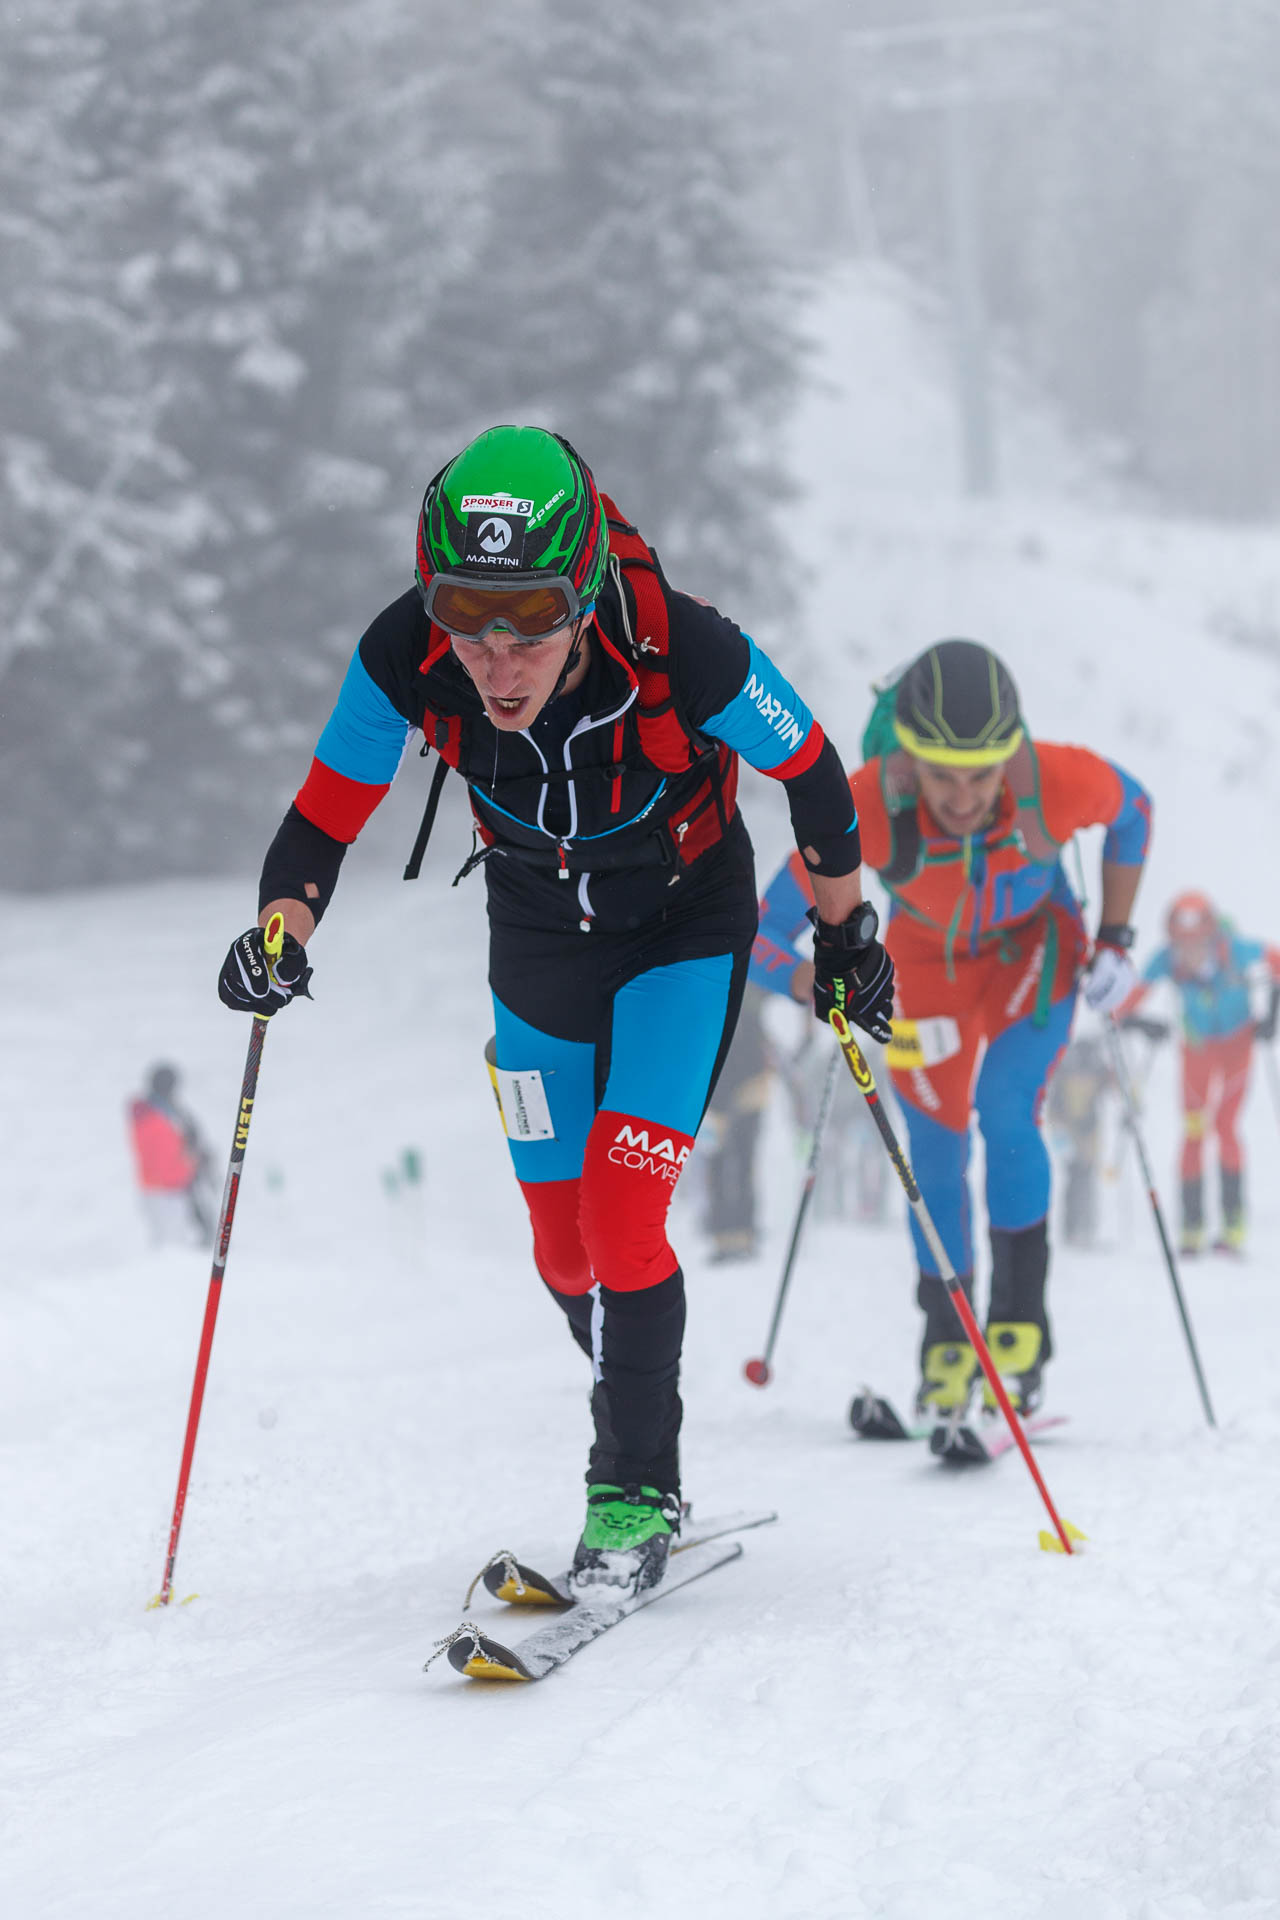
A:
(1211, 967)
(731, 1137)
(596, 715)
(171, 1160)
(963, 818)
(1077, 1091)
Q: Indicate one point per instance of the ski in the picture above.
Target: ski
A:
(956, 1440)
(510, 1580)
(476, 1654)
(1039, 1423)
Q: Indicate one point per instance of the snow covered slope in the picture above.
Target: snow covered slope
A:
(894, 1705)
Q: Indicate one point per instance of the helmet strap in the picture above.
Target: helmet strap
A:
(572, 658)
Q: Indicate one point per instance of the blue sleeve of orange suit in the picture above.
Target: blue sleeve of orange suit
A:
(1079, 788)
(784, 916)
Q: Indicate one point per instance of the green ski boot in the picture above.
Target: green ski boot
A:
(625, 1543)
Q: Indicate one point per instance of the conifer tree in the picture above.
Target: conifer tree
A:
(622, 292)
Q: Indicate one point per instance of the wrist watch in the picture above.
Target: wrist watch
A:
(1112, 934)
(858, 931)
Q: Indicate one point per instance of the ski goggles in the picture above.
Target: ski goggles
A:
(470, 609)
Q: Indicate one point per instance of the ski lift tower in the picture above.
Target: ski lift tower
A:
(952, 67)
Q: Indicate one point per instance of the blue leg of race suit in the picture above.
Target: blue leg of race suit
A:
(940, 1160)
(599, 1207)
(568, 1069)
(667, 1028)
(1010, 1089)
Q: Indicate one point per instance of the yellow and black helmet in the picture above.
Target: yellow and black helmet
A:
(958, 707)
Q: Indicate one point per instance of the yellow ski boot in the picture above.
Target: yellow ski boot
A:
(1017, 1347)
(947, 1373)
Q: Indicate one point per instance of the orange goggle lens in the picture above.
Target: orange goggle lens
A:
(532, 612)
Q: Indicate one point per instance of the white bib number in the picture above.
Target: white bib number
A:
(523, 1100)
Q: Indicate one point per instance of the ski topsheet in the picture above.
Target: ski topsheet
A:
(510, 1580)
(958, 1440)
(480, 1657)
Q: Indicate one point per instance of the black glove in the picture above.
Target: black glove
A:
(252, 984)
(1139, 1023)
(852, 972)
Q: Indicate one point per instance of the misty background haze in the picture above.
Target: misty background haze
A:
(263, 269)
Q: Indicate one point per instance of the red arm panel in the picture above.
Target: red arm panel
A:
(335, 804)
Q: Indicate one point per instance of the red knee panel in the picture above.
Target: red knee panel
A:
(558, 1251)
(629, 1174)
(1234, 1051)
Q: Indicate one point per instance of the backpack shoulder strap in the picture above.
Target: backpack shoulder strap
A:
(1023, 776)
(667, 738)
(443, 731)
(901, 796)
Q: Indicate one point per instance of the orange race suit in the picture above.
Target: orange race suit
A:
(988, 942)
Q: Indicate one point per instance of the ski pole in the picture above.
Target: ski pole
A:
(1131, 1122)
(760, 1371)
(1115, 1165)
(272, 943)
(864, 1080)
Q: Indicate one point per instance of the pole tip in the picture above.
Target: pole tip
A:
(1050, 1543)
(758, 1372)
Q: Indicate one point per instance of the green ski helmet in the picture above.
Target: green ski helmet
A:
(958, 707)
(516, 509)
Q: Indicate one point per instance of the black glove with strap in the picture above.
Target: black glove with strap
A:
(252, 982)
(852, 972)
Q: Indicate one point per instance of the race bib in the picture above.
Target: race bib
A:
(922, 1043)
(522, 1102)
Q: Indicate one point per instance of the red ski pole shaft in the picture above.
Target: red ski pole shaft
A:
(864, 1080)
(222, 1241)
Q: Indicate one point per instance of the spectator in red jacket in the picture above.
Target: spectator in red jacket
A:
(172, 1162)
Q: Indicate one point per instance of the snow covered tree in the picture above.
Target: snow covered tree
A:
(623, 293)
(1213, 338)
(211, 297)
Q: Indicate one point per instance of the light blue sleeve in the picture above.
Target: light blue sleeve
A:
(364, 737)
(1129, 834)
(766, 721)
(1247, 953)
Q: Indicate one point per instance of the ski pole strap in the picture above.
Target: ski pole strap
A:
(414, 867)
